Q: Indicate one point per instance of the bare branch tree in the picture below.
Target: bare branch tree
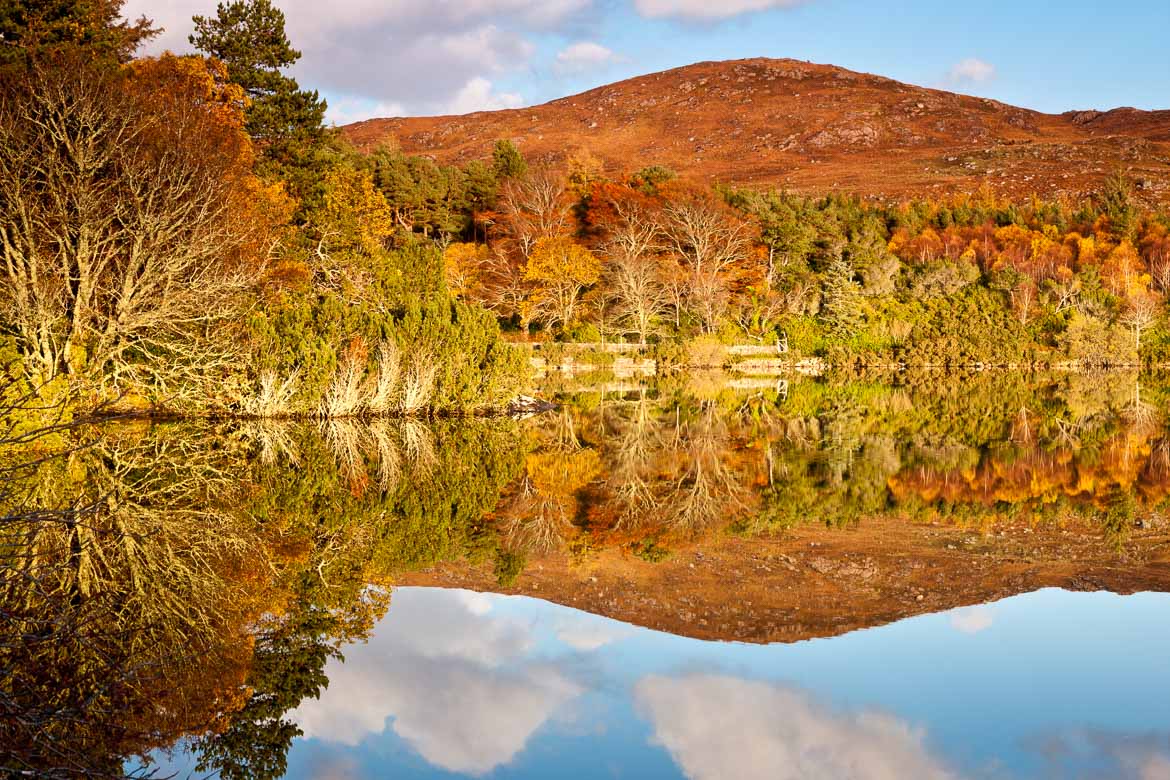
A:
(709, 242)
(126, 229)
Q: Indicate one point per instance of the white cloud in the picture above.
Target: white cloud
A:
(972, 620)
(583, 57)
(443, 674)
(420, 55)
(478, 95)
(767, 731)
(706, 10)
(971, 71)
(343, 111)
(590, 633)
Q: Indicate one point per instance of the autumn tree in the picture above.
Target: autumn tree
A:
(709, 242)
(1141, 311)
(561, 269)
(1155, 246)
(631, 241)
(533, 208)
(131, 227)
(506, 289)
(529, 209)
(464, 266)
(249, 37)
(1122, 269)
(353, 215)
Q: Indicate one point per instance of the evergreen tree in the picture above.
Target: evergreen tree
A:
(249, 37)
(1115, 202)
(841, 309)
(30, 28)
(481, 187)
(507, 161)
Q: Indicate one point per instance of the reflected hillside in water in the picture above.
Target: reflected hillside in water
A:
(817, 508)
(193, 580)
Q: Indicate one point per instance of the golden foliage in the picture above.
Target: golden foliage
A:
(463, 266)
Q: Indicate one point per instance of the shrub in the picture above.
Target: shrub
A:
(669, 354)
(706, 352)
(583, 333)
(1091, 342)
(441, 354)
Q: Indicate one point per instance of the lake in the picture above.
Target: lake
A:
(892, 576)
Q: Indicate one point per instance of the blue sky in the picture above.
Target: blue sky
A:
(458, 684)
(404, 57)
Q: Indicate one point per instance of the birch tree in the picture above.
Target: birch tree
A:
(131, 227)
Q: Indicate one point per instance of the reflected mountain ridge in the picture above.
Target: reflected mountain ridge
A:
(199, 583)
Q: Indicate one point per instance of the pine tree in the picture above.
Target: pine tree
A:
(249, 37)
(1116, 202)
(841, 309)
(507, 161)
(29, 28)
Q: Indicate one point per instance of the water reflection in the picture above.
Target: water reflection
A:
(766, 730)
(462, 687)
(500, 691)
(199, 583)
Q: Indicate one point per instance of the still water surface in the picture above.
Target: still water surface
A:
(691, 579)
(460, 683)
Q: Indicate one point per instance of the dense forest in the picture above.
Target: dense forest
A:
(184, 232)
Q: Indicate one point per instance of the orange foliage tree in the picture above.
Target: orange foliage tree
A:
(150, 170)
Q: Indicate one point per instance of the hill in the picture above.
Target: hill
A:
(809, 127)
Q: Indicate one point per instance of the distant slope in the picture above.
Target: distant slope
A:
(810, 127)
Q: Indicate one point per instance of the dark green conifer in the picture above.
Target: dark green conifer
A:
(249, 37)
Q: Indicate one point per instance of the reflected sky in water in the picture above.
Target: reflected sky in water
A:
(455, 683)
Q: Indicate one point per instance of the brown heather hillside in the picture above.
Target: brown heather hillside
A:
(810, 127)
(819, 582)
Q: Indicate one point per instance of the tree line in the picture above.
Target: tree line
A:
(649, 258)
(184, 232)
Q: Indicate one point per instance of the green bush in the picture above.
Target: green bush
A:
(669, 354)
(308, 334)
(582, 333)
(1091, 342)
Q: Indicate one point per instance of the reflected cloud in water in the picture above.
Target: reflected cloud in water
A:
(716, 727)
(1103, 755)
(444, 676)
(455, 681)
(972, 620)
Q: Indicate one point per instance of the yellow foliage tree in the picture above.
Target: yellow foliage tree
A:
(561, 269)
(354, 215)
(463, 266)
(1123, 270)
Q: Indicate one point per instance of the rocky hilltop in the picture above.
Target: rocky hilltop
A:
(809, 127)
